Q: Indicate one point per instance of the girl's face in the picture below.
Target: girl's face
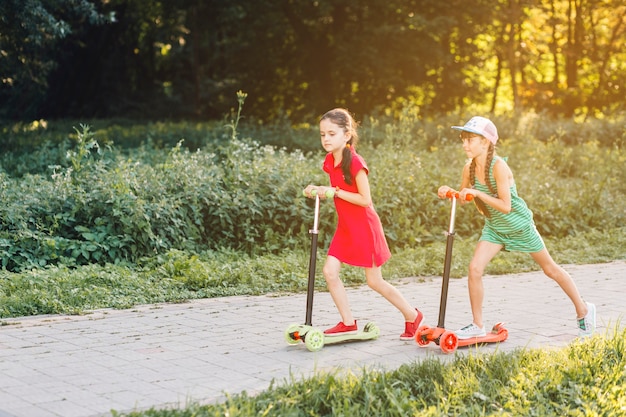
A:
(474, 145)
(333, 137)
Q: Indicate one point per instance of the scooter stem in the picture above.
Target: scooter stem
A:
(312, 262)
(447, 266)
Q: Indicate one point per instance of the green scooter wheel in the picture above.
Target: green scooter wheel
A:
(372, 329)
(289, 334)
(314, 340)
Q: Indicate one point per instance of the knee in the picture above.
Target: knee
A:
(375, 281)
(374, 284)
(475, 270)
(331, 274)
(553, 271)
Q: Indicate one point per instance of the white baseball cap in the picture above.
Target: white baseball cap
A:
(481, 126)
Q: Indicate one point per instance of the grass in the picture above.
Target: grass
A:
(177, 276)
(586, 378)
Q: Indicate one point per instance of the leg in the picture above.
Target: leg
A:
(337, 290)
(483, 254)
(565, 281)
(376, 282)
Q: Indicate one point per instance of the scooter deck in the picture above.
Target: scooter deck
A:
(449, 342)
(370, 332)
(497, 334)
(315, 339)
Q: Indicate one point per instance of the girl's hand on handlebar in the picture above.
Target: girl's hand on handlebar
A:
(465, 192)
(326, 192)
(443, 191)
(311, 190)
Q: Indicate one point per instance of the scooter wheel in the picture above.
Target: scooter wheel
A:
(448, 342)
(422, 336)
(292, 330)
(314, 340)
(501, 331)
(372, 329)
(504, 334)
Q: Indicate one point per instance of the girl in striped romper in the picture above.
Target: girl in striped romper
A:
(508, 225)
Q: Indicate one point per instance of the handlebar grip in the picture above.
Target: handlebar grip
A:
(330, 193)
(455, 194)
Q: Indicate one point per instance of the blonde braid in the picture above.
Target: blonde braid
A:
(490, 153)
(480, 204)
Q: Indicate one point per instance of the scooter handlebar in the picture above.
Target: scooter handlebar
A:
(455, 194)
(330, 193)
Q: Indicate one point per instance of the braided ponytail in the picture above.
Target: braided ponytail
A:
(480, 204)
(346, 162)
(490, 153)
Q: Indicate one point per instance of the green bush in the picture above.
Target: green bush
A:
(105, 203)
(113, 209)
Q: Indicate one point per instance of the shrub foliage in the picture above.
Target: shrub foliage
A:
(110, 204)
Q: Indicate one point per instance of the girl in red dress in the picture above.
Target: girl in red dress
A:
(359, 239)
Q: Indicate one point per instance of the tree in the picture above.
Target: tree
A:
(572, 55)
(29, 32)
(606, 52)
(298, 58)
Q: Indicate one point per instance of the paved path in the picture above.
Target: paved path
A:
(168, 355)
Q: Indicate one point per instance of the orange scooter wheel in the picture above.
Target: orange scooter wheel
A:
(503, 333)
(448, 342)
(423, 335)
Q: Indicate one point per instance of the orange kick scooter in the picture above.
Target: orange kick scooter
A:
(446, 339)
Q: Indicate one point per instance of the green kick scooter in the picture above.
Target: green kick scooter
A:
(314, 338)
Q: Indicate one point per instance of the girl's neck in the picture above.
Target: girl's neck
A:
(338, 156)
(480, 161)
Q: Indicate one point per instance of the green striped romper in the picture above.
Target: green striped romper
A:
(515, 230)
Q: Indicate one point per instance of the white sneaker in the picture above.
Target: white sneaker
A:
(587, 324)
(469, 331)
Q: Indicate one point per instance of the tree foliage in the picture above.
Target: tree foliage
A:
(297, 58)
(31, 32)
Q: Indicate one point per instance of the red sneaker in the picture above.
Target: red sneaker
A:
(341, 328)
(411, 327)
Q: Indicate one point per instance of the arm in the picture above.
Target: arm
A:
(361, 198)
(504, 178)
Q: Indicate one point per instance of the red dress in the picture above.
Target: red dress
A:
(359, 239)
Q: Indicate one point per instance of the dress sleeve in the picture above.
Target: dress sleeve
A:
(358, 163)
